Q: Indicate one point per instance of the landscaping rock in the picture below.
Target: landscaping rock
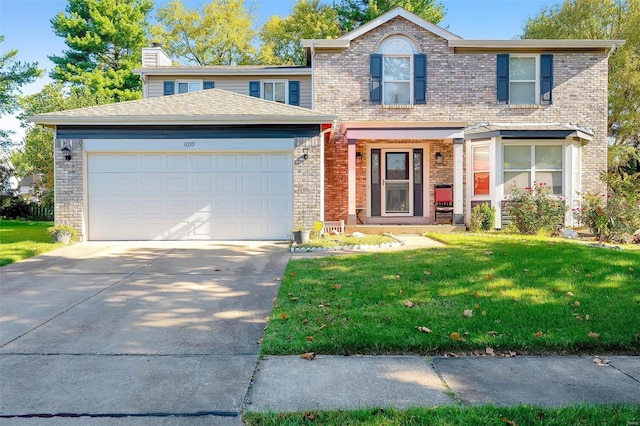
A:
(569, 233)
(357, 235)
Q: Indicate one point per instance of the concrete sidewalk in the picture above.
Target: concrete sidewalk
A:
(289, 383)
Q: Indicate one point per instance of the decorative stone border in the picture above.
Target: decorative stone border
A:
(356, 247)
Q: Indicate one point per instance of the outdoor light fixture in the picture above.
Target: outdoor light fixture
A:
(67, 153)
(305, 153)
(439, 158)
(358, 157)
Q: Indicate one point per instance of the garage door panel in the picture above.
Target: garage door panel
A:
(174, 196)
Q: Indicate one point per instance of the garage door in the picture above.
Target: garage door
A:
(189, 196)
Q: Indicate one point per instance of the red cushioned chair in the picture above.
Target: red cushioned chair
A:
(443, 201)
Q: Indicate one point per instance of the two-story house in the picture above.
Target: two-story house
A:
(364, 133)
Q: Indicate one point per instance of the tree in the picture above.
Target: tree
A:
(105, 38)
(353, 13)
(605, 19)
(36, 156)
(218, 33)
(13, 75)
(281, 36)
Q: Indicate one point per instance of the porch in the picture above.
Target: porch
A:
(403, 229)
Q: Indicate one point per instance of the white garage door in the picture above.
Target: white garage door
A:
(189, 196)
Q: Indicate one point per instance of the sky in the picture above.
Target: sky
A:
(26, 26)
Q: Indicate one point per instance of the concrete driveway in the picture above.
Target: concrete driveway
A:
(164, 331)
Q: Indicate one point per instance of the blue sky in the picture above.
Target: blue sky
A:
(26, 27)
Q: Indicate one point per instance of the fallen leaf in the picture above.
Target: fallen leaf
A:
(476, 294)
(468, 313)
(490, 351)
(569, 294)
(601, 362)
(308, 356)
(451, 354)
(309, 415)
(508, 422)
(525, 270)
(267, 319)
(283, 316)
(456, 336)
(493, 333)
(477, 306)
(509, 354)
(587, 317)
(398, 276)
(294, 299)
(306, 320)
(292, 274)
(427, 272)
(277, 279)
(400, 292)
(594, 335)
(489, 277)
(323, 326)
(539, 334)
(331, 278)
(217, 269)
(259, 341)
(576, 303)
(487, 253)
(630, 269)
(578, 317)
(336, 286)
(484, 313)
(477, 353)
(588, 275)
(423, 329)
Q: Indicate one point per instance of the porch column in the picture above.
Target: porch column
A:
(351, 181)
(458, 174)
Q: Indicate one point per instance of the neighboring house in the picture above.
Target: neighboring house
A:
(28, 185)
(364, 133)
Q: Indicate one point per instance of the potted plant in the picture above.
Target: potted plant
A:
(301, 234)
(61, 233)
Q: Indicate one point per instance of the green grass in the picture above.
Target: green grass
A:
(614, 415)
(531, 295)
(21, 239)
(345, 240)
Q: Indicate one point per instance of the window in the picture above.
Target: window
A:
(275, 91)
(398, 75)
(524, 79)
(525, 164)
(481, 170)
(186, 86)
(189, 86)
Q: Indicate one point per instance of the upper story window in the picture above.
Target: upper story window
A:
(398, 74)
(282, 91)
(525, 79)
(275, 91)
(186, 86)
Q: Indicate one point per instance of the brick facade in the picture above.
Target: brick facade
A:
(307, 192)
(69, 201)
(461, 87)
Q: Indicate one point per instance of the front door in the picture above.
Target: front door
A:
(396, 182)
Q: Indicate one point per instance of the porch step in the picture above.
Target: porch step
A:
(403, 229)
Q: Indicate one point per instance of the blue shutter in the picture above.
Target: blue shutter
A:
(420, 79)
(546, 79)
(169, 87)
(294, 93)
(503, 78)
(375, 67)
(208, 85)
(254, 89)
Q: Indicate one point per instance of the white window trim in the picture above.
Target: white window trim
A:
(473, 147)
(409, 55)
(189, 82)
(286, 89)
(537, 80)
(532, 170)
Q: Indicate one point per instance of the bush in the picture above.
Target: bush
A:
(612, 217)
(482, 217)
(55, 232)
(13, 207)
(535, 210)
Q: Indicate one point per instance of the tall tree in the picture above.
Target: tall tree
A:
(36, 155)
(105, 39)
(281, 36)
(217, 33)
(605, 19)
(13, 75)
(353, 13)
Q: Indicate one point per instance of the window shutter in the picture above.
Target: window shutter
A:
(375, 67)
(294, 93)
(546, 79)
(254, 89)
(208, 85)
(420, 79)
(503, 78)
(169, 87)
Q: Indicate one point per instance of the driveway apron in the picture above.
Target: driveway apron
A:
(149, 329)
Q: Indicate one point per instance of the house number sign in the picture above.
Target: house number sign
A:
(189, 144)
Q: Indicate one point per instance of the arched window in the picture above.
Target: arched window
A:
(397, 70)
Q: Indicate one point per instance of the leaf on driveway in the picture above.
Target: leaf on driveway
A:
(308, 356)
(489, 351)
(594, 335)
(423, 329)
(601, 362)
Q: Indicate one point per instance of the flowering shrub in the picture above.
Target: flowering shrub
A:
(482, 217)
(535, 209)
(611, 217)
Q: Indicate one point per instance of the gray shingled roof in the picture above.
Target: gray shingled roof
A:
(513, 129)
(214, 106)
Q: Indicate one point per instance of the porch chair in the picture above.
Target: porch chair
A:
(443, 201)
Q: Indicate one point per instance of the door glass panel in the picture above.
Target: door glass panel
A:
(417, 167)
(517, 157)
(549, 157)
(397, 166)
(375, 167)
(397, 197)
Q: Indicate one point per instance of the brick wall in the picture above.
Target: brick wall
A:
(460, 87)
(306, 182)
(68, 184)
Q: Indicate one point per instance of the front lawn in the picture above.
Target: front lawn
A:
(508, 293)
(450, 416)
(22, 239)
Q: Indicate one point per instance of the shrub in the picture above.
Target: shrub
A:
(482, 217)
(13, 207)
(535, 210)
(55, 232)
(612, 217)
